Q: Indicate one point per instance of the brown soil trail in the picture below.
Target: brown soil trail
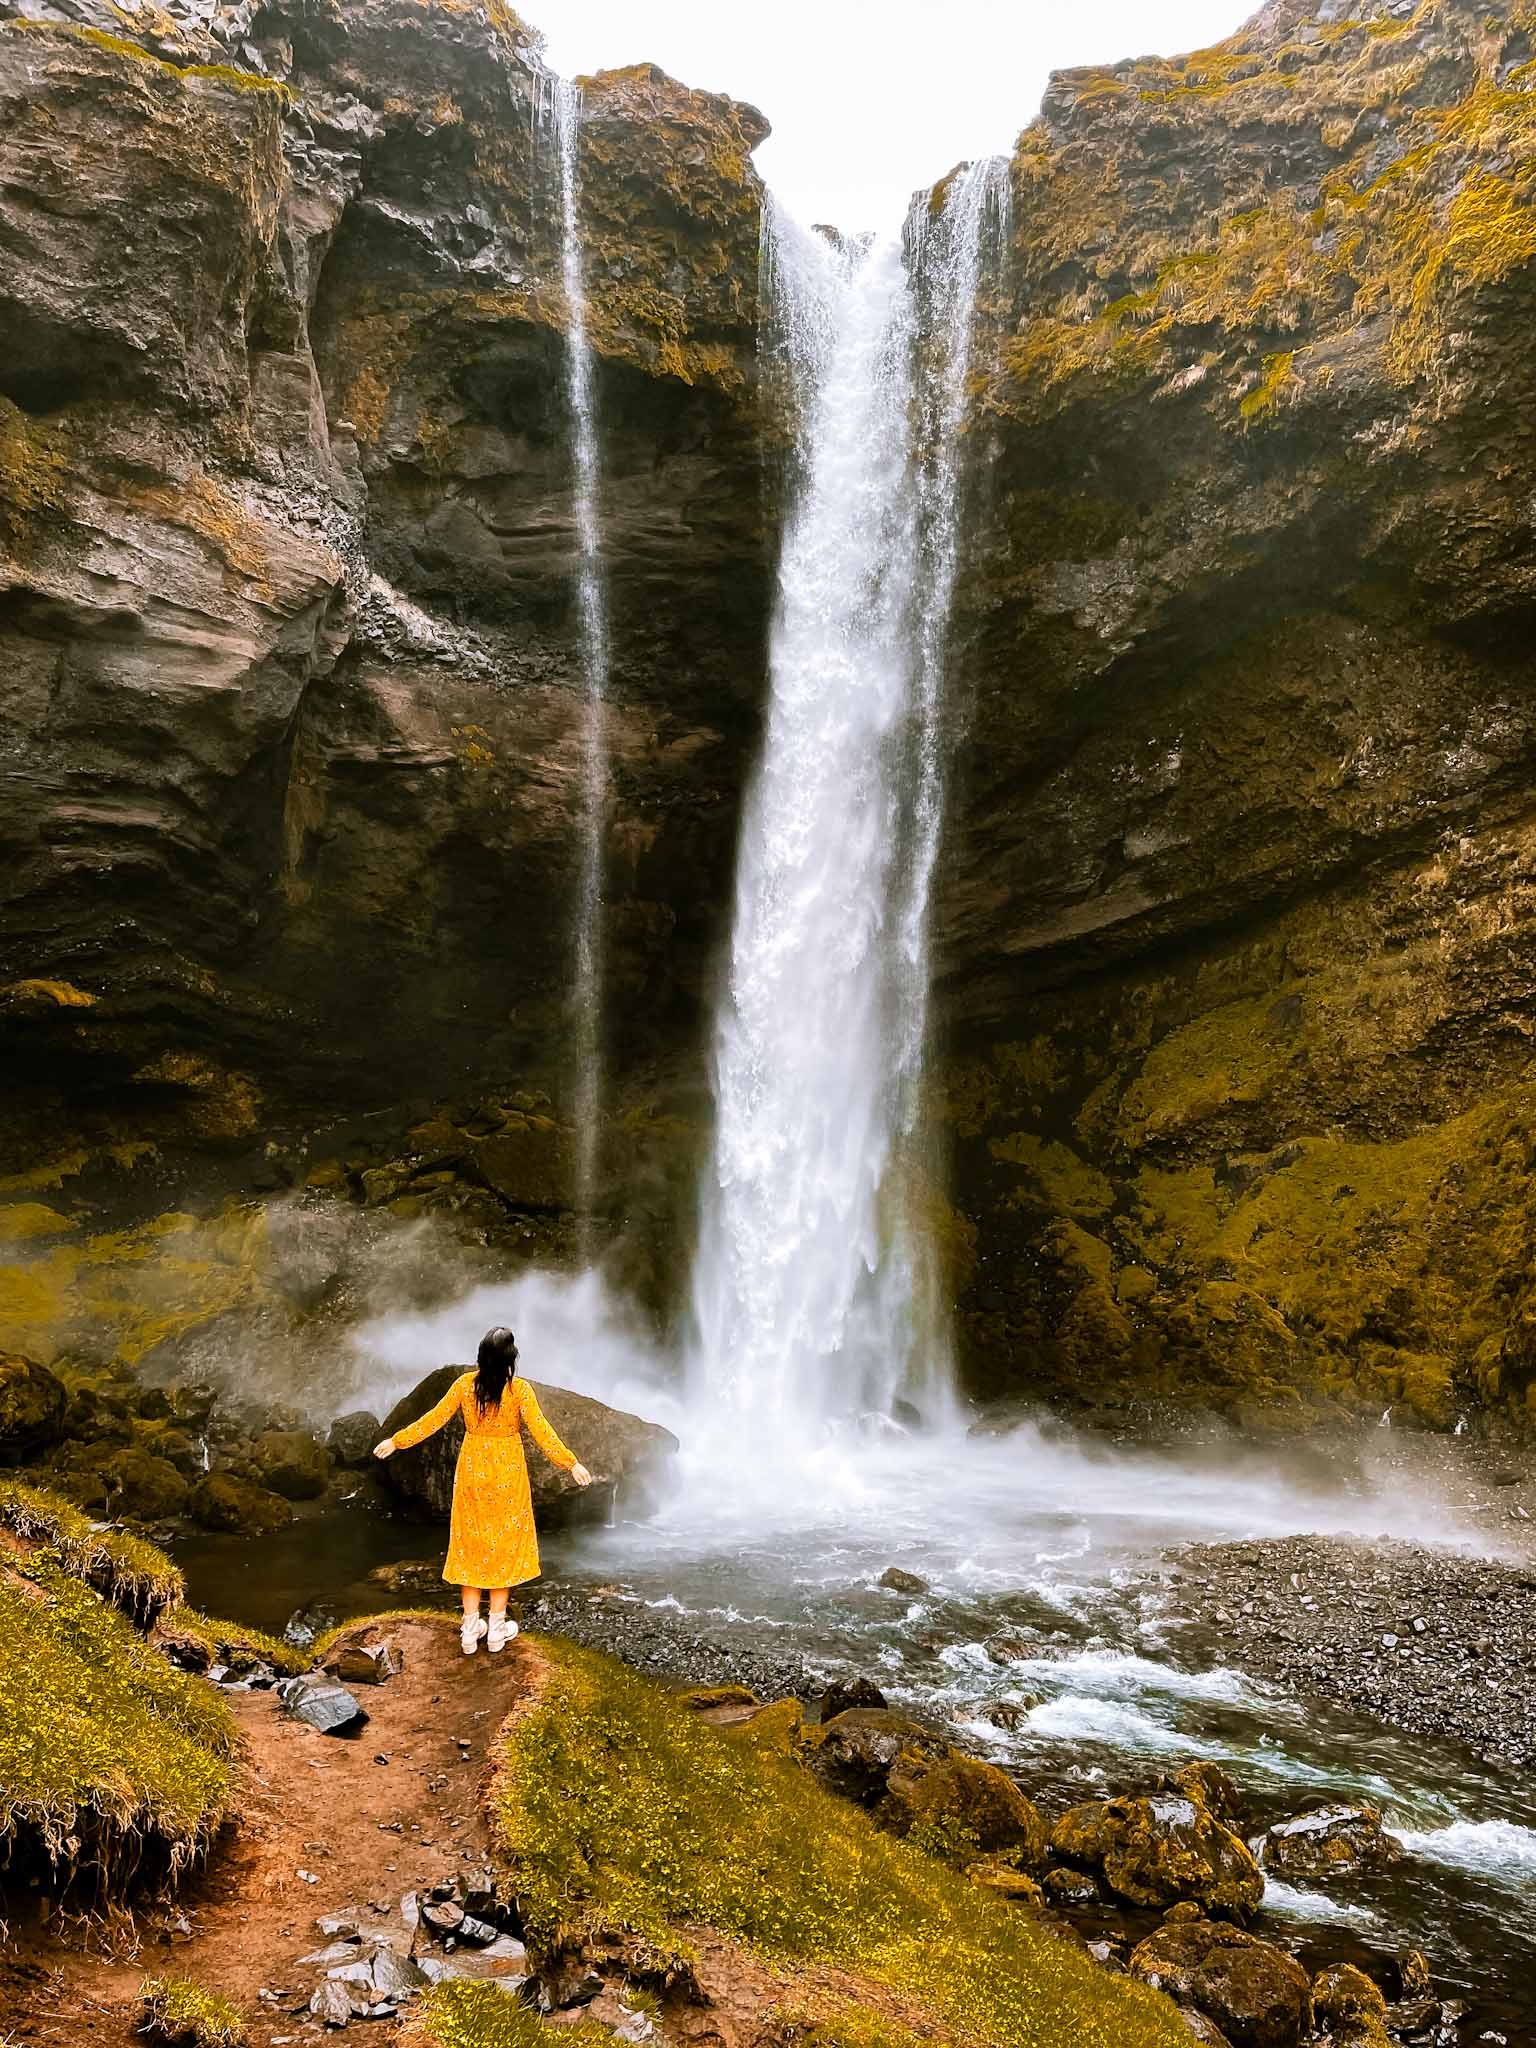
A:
(366, 1830)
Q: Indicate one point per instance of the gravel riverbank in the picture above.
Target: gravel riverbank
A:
(1422, 1639)
(664, 1645)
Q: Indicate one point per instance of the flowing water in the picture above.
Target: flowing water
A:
(808, 1306)
(594, 652)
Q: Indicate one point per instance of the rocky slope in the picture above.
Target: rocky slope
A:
(1236, 926)
(1237, 999)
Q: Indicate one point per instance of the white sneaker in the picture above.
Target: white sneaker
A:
(502, 1632)
(470, 1634)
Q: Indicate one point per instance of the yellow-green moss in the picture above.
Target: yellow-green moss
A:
(227, 75)
(481, 2016)
(112, 1764)
(132, 1574)
(181, 2014)
(617, 1808)
(232, 1644)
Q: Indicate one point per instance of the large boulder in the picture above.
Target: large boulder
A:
(1156, 1851)
(234, 1506)
(1254, 1992)
(625, 1455)
(1349, 2008)
(919, 1784)
(860, 1748)
(1328, 1842)
(290, 1462)
(32, 1404)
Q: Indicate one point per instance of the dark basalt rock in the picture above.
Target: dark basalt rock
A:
(1328, 1841)
(1254, 1992)
(322, 1704)
(1160, 1850)
(32, 1405)
(221, 1501)
(626, 1456)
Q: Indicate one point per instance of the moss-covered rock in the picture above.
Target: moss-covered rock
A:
(620, 1813)
(237, 1506)
(129, 1573)
(290, 1462)
(1254, 1992)
(32, 1405)
(1157, 1851)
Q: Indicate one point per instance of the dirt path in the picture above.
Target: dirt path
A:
(369, 1818)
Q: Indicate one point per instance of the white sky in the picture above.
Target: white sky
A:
(870, 99)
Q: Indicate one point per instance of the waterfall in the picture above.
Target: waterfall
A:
(806, 1288)
(593, 645)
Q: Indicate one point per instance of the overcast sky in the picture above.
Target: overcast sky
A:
(870, 99)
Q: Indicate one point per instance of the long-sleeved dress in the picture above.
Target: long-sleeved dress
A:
(491, 1539)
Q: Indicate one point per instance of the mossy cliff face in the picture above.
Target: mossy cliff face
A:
(293, 706)
(1235, 935)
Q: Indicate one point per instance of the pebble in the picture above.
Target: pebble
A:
(1457, 1658)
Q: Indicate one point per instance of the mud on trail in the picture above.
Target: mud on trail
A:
(396, 1808)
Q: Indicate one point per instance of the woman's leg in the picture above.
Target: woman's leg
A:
(471, 1599)
(501, 1630)
(473, 1627)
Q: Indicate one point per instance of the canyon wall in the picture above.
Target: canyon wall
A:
(1235, 988)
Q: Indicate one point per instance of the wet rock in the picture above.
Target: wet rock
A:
(628, 1456)
(848, 1693)
(332, 2003)
(221, 1501)
(1349, 2008)
(1215, 1789)
(1254, 1992)
(365, 1663)
(1007, 1880)
(32, 1405)
(291, 1463)
(1327, 1842)
(1065, 1887)
(961, 1800)
(1203, 2029)
(353, 1436)
(895, 1580)
(415, 1576)
(322, 1704)
(859, 1748)
(1155, 1851)
(1010, 1715)
(133, 1481)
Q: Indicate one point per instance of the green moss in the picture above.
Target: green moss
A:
(853, 2028)
(231, 1643)
(1055, 1176)
(617, 1808)
(481, 2016)
(1279, 370)
(227, 75)
(132, 1574)
(112, 1764)
(183, 2015)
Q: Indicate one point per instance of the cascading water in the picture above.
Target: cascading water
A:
(806, 1299)
(593, 646)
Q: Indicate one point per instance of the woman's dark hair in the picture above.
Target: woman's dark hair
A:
(495, 1363)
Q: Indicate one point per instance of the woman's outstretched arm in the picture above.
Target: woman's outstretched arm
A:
(544, 1436)
(425, 1425)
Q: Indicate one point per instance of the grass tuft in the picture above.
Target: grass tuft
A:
(132, 1574)
(183, 2015)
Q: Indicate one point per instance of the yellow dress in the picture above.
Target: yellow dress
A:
(491, 1540)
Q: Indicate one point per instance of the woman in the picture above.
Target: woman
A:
(491, 1542)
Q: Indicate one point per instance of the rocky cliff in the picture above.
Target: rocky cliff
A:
(1237, 932)
(1236, 992)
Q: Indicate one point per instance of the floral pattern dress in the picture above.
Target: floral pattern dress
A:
(491, 1540)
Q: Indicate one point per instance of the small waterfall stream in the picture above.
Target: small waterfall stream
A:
(594, 649)
(807, 1301)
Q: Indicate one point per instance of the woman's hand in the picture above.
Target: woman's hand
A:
(385, 1449)
(580, 1474)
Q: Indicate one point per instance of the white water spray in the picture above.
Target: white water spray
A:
(593, 645)
(806, 1298)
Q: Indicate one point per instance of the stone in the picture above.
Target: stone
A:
(1254, 1992)
(1007, 1880)
(1065, 1887)
(221, 1501)
(291, 1463)
(365, 1663)
(847, 1693)
(1211, 1785)
(958, 1803)
(133, 1481)
(1155, 1851)
(627, 1456)
(32, 1404)
(895, 1580)
(1349, 2008)
(322, 1704)
(858, 1749)
(1329, 1841)
(332, 2003)
(353, 1436)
